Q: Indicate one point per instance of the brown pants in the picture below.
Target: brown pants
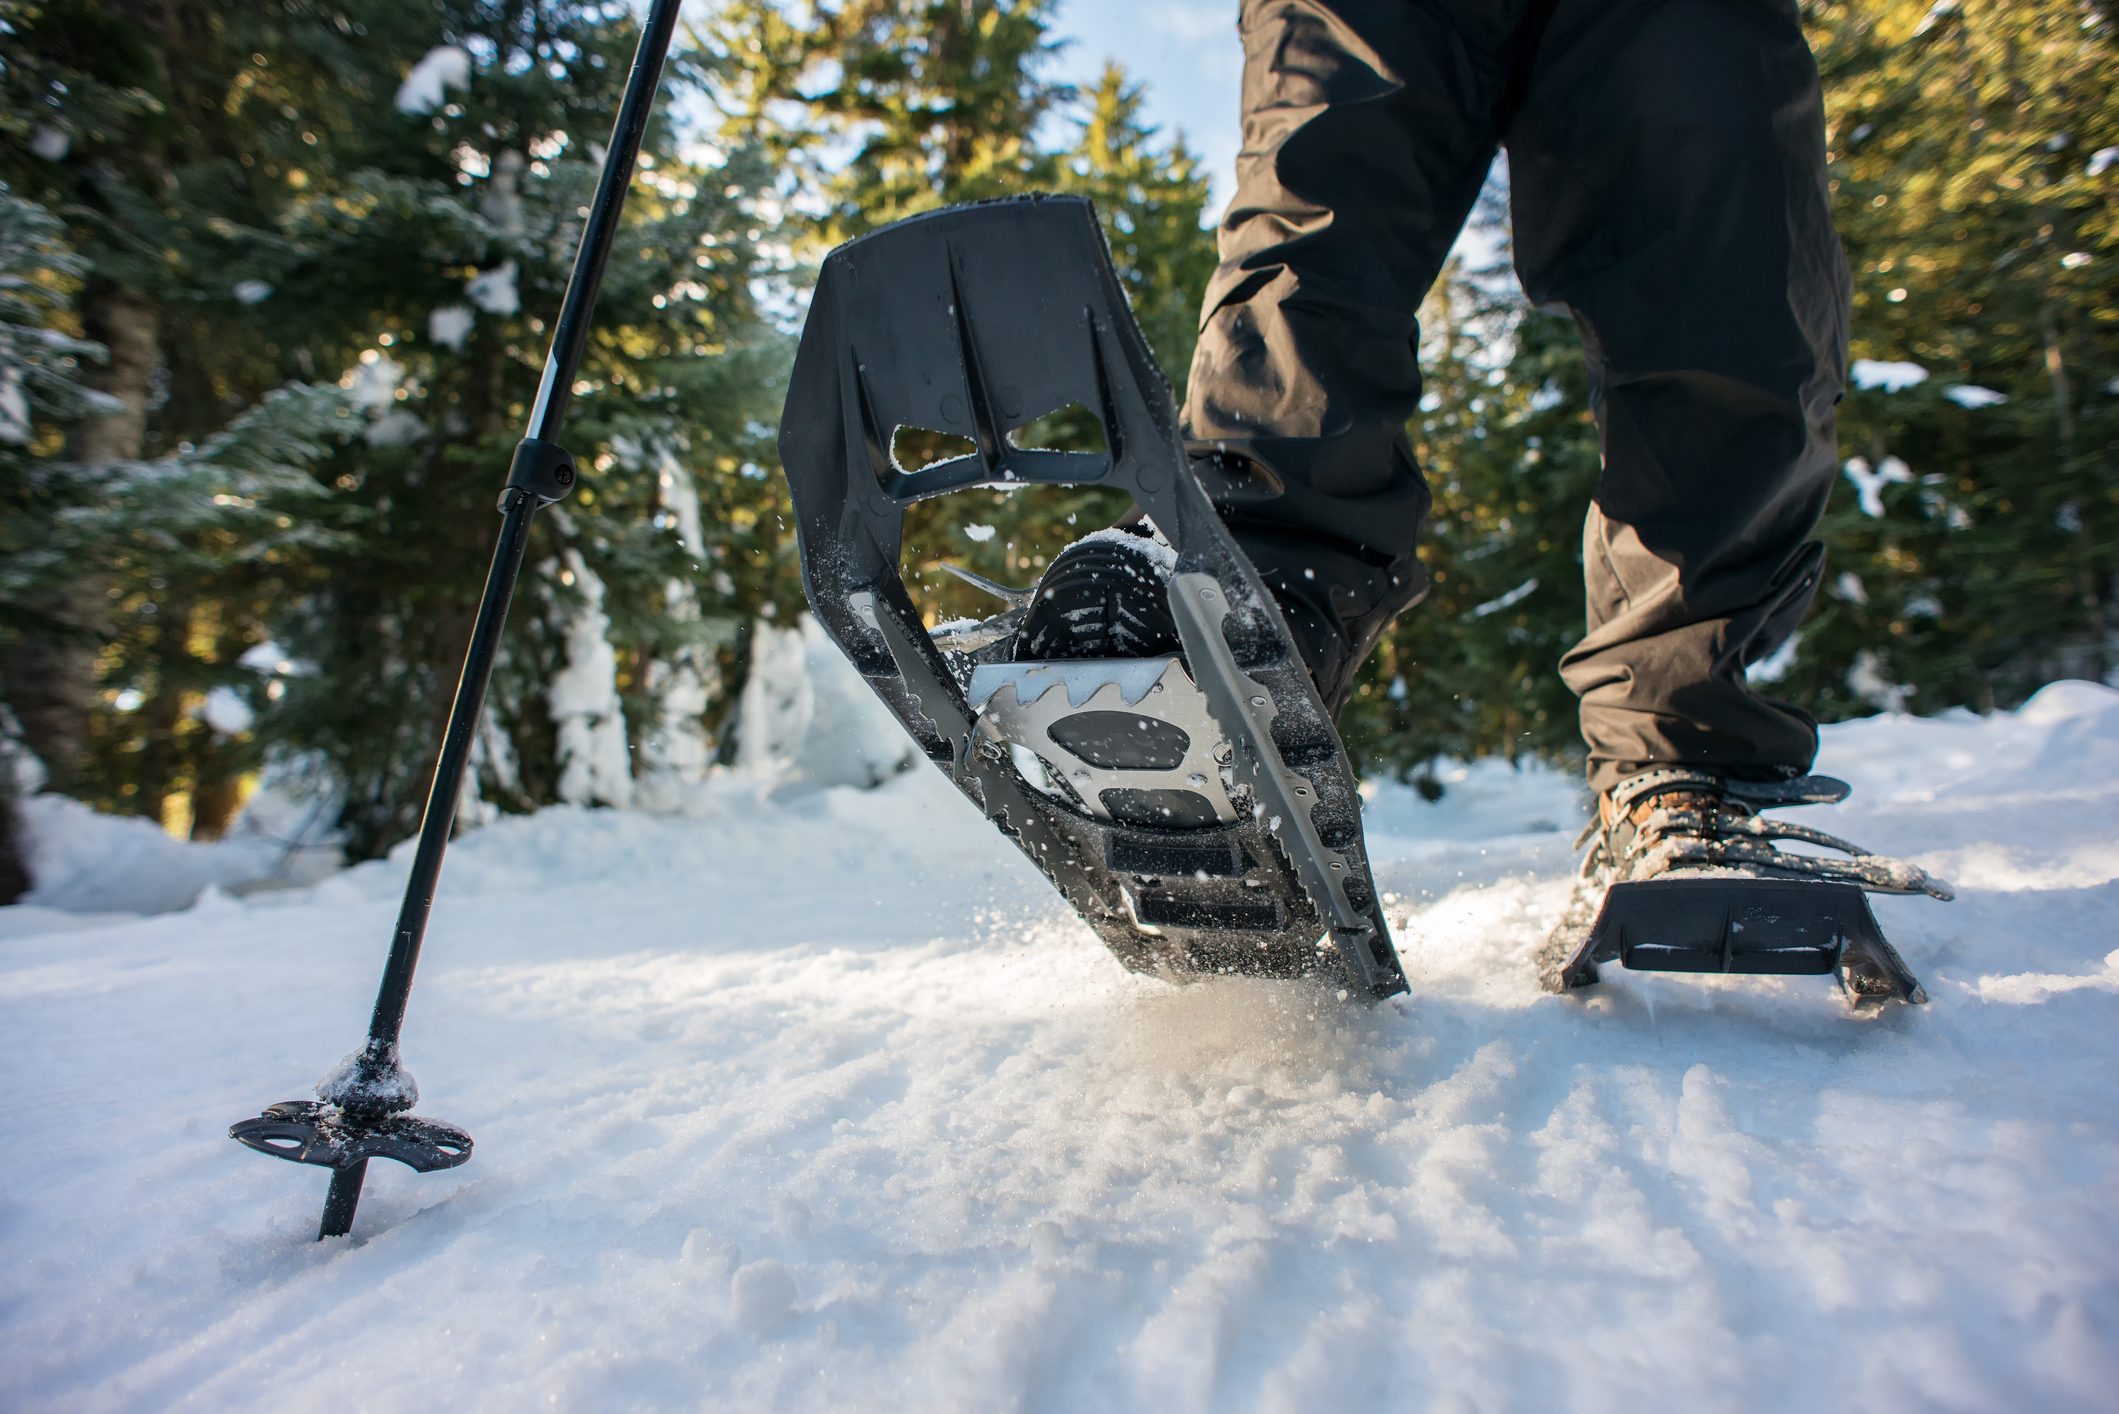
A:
(1667, 170)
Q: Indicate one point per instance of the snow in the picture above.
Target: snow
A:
(252, 291)
(450, 325)
(1777, 664)
(494, 290)
(824, 1101)
(1891, 377)
(439, 70)
(979, 533)
(226, 711)
(52, 144)
(1869, 483)
(675, 757)
(595, 766)
(86, 862)
(2102, 160)
(1971, 395)
(807, 722)
(372, 383)
(397, 427)
(14, 407)
(1507, 601)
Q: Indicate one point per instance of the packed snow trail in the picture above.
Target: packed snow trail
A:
(827, 1103)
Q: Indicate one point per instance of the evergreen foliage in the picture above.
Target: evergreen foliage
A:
(273, 290)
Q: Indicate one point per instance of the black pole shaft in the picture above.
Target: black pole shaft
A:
(447, 788)
(570, 335)
(569, 341)
(341, 1199)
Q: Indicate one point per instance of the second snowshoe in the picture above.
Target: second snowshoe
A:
(1685, 874)
(1184, 788)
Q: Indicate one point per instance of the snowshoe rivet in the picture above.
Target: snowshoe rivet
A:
(1258, 702)
(1206, 594)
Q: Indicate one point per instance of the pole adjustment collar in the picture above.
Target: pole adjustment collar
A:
(543, 469)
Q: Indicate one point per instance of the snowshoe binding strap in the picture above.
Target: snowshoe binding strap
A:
(976, 322)
(1690, 820)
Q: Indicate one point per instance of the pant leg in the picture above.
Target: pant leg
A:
(1368, 127)
(1668, 172)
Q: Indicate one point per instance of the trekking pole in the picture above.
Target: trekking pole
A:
(361, 1109)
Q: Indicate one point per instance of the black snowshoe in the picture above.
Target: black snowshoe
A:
(1684, 874)
(1141, 726)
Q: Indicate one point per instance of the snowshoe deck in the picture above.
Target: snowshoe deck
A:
(1776, 927)
(978, 321)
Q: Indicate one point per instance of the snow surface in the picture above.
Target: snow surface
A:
(823, 1101)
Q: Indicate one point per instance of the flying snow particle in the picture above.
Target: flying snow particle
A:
(1891, 377)
(494, 290)
(1971, 395)
(50, 143)
(980, 533)
(425, 88)
(1850, 588)
(450, 325)
(2101, 161)
(252, 291)
(2076, 259)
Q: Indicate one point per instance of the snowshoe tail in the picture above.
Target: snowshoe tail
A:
(975, 322)
(1776, 927)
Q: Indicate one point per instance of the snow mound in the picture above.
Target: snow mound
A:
(83, 861)
(807, 720)
(821, 1100)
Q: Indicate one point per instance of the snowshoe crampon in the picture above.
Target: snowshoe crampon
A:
(1197, 811)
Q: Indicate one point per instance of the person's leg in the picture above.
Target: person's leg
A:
(1368, 126)
(1668, 171)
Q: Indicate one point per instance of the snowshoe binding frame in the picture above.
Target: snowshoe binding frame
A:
(977, 321)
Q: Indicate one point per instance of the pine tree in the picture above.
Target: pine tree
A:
(451, 249)
(1974, 150)
(168, 132)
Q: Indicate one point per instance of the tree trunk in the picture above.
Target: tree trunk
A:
(51, 676)
(14, 847)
